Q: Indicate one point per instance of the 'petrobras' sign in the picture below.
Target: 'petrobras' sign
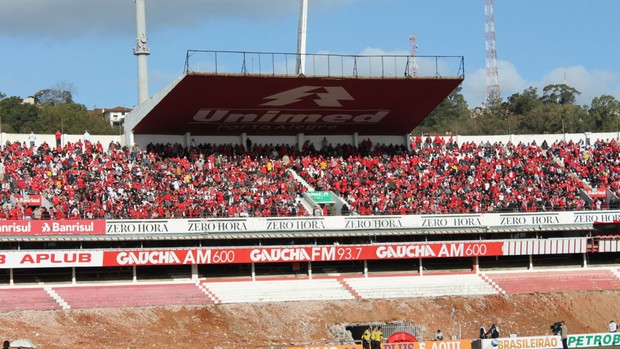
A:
(593, 340)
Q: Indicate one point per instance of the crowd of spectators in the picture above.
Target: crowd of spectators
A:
(89, 180)
(443, 177)
(86, 180)
(598, 164)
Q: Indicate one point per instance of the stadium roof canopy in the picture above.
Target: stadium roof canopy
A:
(368, 95)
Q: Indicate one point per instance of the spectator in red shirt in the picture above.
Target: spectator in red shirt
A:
(58, 136)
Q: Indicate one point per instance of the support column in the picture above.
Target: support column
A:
(420, 267)
(73, 278)
(187, 139)
(301, 38)
(310, 270)
(356, 139)
(194, 272)
(253, 270)
(300, 141)
(585, 260)
(141, 51)
(365, 268)
(408, 141)
(531, 266)
(476, 265)
(11, 281)
(135, 274)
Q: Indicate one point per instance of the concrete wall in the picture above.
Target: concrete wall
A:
(143, 140)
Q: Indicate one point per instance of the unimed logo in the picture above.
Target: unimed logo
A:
(280, 110)
(328, 96)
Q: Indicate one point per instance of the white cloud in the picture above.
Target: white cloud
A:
(474, 88)
(475, 85)
(510, 80)
(590, 83)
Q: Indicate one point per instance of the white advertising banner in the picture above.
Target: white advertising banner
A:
(342, 223)
(554, 342)
(539, 342)
(50, 258)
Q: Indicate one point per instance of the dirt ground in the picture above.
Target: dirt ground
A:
(303, 323)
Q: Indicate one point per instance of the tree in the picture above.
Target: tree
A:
(62, 116)
(604, 113)
(16, 116)
(560, 94)
(59, 94)
(523, 103)
(72, 118)
(52, 97)
(2, 95)
(493, 101)
(554, 118)
(446, 114)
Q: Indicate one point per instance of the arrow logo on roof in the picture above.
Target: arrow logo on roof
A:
(331, 96)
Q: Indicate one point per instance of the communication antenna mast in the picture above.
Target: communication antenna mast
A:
(414, 52)
(491, 62)
(141, 51)
(301, 37)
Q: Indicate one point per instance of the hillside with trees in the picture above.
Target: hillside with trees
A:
(53, 109)
(552, 111)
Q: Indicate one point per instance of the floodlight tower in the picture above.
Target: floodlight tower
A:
(141, 51)
(491, 62)
(301, 37)
(414, 52)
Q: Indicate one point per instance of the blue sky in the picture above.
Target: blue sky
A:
(88, 43)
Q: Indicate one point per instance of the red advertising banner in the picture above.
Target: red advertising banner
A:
(61, 227)
(301, 253)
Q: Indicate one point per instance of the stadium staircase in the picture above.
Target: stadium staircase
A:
(421, 286)
(55, 296)
(307, 205)
(493, 284)
(556, 280)
(277, 290)
(132, 295)
(346, 285)
(26, 298)
(209, 291)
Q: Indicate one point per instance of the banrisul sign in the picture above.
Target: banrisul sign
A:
(321, 197)
(593, 340)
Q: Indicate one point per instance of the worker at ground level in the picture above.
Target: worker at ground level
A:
(376, 337)
(366, 339)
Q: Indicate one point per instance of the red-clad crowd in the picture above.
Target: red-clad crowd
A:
(440, 177)
(598, 164)
(84, 180)
(88, 180)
